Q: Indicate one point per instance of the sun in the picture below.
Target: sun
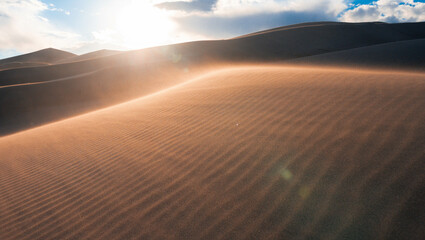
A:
(141, 25)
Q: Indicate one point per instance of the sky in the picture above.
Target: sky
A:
(82, 26)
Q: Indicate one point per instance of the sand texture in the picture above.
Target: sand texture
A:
(255, 152)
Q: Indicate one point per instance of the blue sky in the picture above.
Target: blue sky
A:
(82, 26)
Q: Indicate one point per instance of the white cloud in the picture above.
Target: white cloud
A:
(380, 10)
(331, 7)
(230, 18)
(105, 36)
(55, 9)
(233, 8)
(24, 29)
(387, 11)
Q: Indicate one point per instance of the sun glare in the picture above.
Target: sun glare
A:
(143, 25)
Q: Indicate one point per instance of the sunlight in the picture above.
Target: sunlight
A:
(142, 25)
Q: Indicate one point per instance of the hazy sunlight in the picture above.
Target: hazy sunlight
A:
(212, 119)
(142, 25)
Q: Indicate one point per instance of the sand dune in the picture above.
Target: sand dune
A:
(91, 55)
(241, 153)
(299, 41)
(48, 73)
(25, 102)
(293, 26)
(26, 105)
(13, 65)
(278, 45)
(39, 58)
(407, 55)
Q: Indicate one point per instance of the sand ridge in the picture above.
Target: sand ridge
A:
(243, 153)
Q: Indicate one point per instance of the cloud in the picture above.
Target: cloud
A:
(229, 18)
(189, 6)
(386, 11)
(51, 7)
(105, 35)
(27, 30)
(245, 7)
(227, 27)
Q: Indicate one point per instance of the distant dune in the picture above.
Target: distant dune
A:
(88, 56)
(40, 58)
(301, 40)
(251, 152)
(50, 56)
(408, 55)
(268, 46)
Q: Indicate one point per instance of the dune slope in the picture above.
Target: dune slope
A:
(28, 105)
(301, 40)
(406, 55)
(242, 153)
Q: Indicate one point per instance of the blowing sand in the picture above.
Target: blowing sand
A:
(241, 153)
(33, 96)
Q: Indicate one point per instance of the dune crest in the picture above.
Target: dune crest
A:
(90, 55)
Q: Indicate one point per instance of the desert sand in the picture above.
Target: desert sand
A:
(43, 57)
(280, 134)
(240, 153)
(104, 78)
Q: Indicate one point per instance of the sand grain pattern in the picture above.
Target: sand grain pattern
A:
(241, 153)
